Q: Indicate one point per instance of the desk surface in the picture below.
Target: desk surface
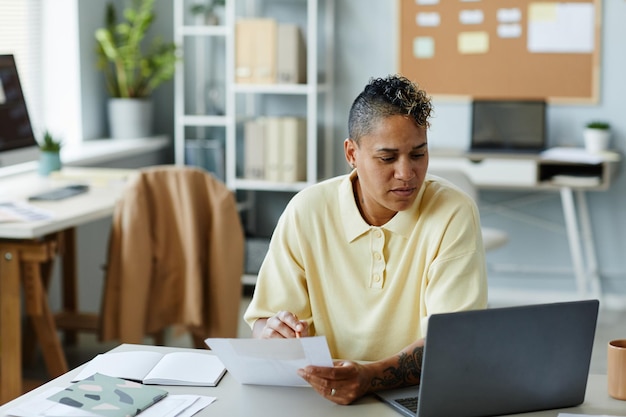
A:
(234, 399)
(106, 186)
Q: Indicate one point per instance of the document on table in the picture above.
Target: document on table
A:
(171, 406)
(583, 415)
(271, 361)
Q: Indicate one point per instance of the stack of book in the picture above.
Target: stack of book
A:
(275, 149)
(268, 52)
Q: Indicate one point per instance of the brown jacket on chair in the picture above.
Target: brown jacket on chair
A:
(175, 257)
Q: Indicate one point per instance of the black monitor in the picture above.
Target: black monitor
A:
(17, 140)
(508, 126)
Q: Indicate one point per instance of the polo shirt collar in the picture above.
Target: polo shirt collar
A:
(354, 225)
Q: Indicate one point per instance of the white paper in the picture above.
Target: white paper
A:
(510, 30)
(18, 211)
(512, 15)
(271, 361)
(561, 28)
(170, 406)
(426, 2)
(428, 19)
(471, 17)
(572, 155)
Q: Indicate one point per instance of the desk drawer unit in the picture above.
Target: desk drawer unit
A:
(492, 172)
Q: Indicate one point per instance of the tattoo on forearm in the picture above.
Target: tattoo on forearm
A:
(407, 372)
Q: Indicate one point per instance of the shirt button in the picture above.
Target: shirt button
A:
(377, 256)
(376, 278)
(379, 234)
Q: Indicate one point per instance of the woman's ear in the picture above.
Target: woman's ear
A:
(349, 149)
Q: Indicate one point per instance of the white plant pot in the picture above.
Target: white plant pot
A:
(130, 118)
(596, 140)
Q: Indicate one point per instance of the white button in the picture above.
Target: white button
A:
(377, 256)
(376, 278)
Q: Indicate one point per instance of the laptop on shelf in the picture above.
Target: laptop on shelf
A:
(508, 126)
(502, 361)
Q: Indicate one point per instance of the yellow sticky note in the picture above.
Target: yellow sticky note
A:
(542, 12)
(473, 42)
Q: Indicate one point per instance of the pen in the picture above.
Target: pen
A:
(297, 333)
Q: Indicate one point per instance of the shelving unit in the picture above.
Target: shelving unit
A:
(311, 100)
(245, 101)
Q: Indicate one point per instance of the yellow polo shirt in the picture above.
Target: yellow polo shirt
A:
(370, 289)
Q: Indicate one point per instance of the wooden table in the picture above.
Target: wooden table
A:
(27, 252)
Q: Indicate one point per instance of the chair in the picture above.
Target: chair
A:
(492, 238)
(175, 257)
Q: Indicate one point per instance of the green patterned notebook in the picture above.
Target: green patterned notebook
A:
(109, 396)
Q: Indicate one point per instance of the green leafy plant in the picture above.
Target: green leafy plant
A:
(49, 144)
(597, 124)
(130, 70)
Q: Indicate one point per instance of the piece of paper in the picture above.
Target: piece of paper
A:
(573, 155)
(428, 19)
(510, 30)
(271, 361)
(424, 47)
(512, 15)
(561, 27)
(170, 406)
(18, 211)
(175, 368)
(471, 17)
(473, 42)
(584, 415)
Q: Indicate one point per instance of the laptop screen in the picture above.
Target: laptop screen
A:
(508, 126)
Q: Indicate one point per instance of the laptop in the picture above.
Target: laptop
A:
(508, 126)
(502, 361)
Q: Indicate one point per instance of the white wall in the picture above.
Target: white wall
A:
(366, 36)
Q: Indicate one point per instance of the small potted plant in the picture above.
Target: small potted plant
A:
(597, 134)
(207, 8)
(50, 155)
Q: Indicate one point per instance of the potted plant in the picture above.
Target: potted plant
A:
(50, 154)
(132, 71)
(597, 135)
(208, 9)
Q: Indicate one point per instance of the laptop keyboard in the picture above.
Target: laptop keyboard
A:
(408, 402)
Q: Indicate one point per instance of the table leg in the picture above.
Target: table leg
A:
(10, 325)
(593, 275)
(42, 319)
(573, 237)
(70, 282)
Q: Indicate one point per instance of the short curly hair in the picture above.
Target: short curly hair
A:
(385, 97)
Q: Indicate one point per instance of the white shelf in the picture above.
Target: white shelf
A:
(318, 15)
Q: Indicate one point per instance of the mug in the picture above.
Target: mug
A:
(616, 369)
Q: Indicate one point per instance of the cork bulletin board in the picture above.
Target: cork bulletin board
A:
(502, 49)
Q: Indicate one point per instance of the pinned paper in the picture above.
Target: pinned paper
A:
(511, 30)
(424, 47)
(471, 17)
(473, 42)
(561, 28)
(428, 19)
(511, 15)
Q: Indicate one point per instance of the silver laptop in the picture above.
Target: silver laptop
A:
(502, 361)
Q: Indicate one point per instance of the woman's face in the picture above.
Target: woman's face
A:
(391, 163)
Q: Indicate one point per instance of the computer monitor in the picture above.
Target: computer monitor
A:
(17, 140)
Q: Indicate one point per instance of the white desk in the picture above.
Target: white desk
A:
(27, 251)
(532, 172)
(234, 399)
